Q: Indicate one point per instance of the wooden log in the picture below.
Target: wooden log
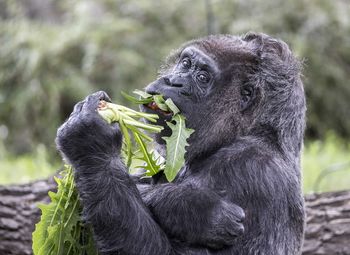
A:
(19, 213)
(328, 224)
(327, 230)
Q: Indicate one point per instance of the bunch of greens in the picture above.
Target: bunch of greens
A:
(177, 142)
(128, 124)
(61, 230)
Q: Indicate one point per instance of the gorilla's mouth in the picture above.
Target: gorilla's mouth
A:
(154, 107)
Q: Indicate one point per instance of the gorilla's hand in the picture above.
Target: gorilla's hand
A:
(85, 136)
(226, 225)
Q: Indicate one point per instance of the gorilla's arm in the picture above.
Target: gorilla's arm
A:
(112, 204)
(194, 214)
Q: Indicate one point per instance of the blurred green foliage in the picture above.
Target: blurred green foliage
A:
(54, 56)
(326, 165)
(25, 168)
(54, 53)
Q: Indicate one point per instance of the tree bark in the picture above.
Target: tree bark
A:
(327, 230)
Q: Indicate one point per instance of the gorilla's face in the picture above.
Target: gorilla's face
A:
(189, 83)
(206, 90)
(190, 80)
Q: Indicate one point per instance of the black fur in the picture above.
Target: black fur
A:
(245, 100)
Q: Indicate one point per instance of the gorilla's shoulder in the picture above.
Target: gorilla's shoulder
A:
(252, 160)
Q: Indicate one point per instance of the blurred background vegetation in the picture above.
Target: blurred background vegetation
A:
(55, 52)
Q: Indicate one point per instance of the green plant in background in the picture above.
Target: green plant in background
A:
(326, 165)
(25, 168)
(71, 48)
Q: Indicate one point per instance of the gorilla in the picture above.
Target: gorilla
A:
(239, 191)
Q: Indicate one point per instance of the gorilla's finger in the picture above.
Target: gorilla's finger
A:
(92, 101)
(105, 96)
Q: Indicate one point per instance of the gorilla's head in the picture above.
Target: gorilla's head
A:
(231, 88)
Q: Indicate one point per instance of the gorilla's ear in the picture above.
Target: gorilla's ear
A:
(265, 46)
(248, 95)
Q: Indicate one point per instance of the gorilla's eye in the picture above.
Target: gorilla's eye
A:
(203, 77)
(186, 63)
(247, 93)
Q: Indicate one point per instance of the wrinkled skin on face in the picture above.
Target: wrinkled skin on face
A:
(239, 191)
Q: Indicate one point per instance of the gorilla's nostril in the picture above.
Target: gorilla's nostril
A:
(167, 81)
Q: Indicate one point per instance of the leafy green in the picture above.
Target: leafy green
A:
(141, 100)
(151, 165)
(171, 106)
(127, 121)
(159, 100)
(142, 94)
(175, 146)
(61, 229)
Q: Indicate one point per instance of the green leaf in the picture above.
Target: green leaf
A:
(127, 144)
(170, 104)
(160, 102)
(151, 166)
(137, 100)
(56, 233)
(175, 146)
(142, 94)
